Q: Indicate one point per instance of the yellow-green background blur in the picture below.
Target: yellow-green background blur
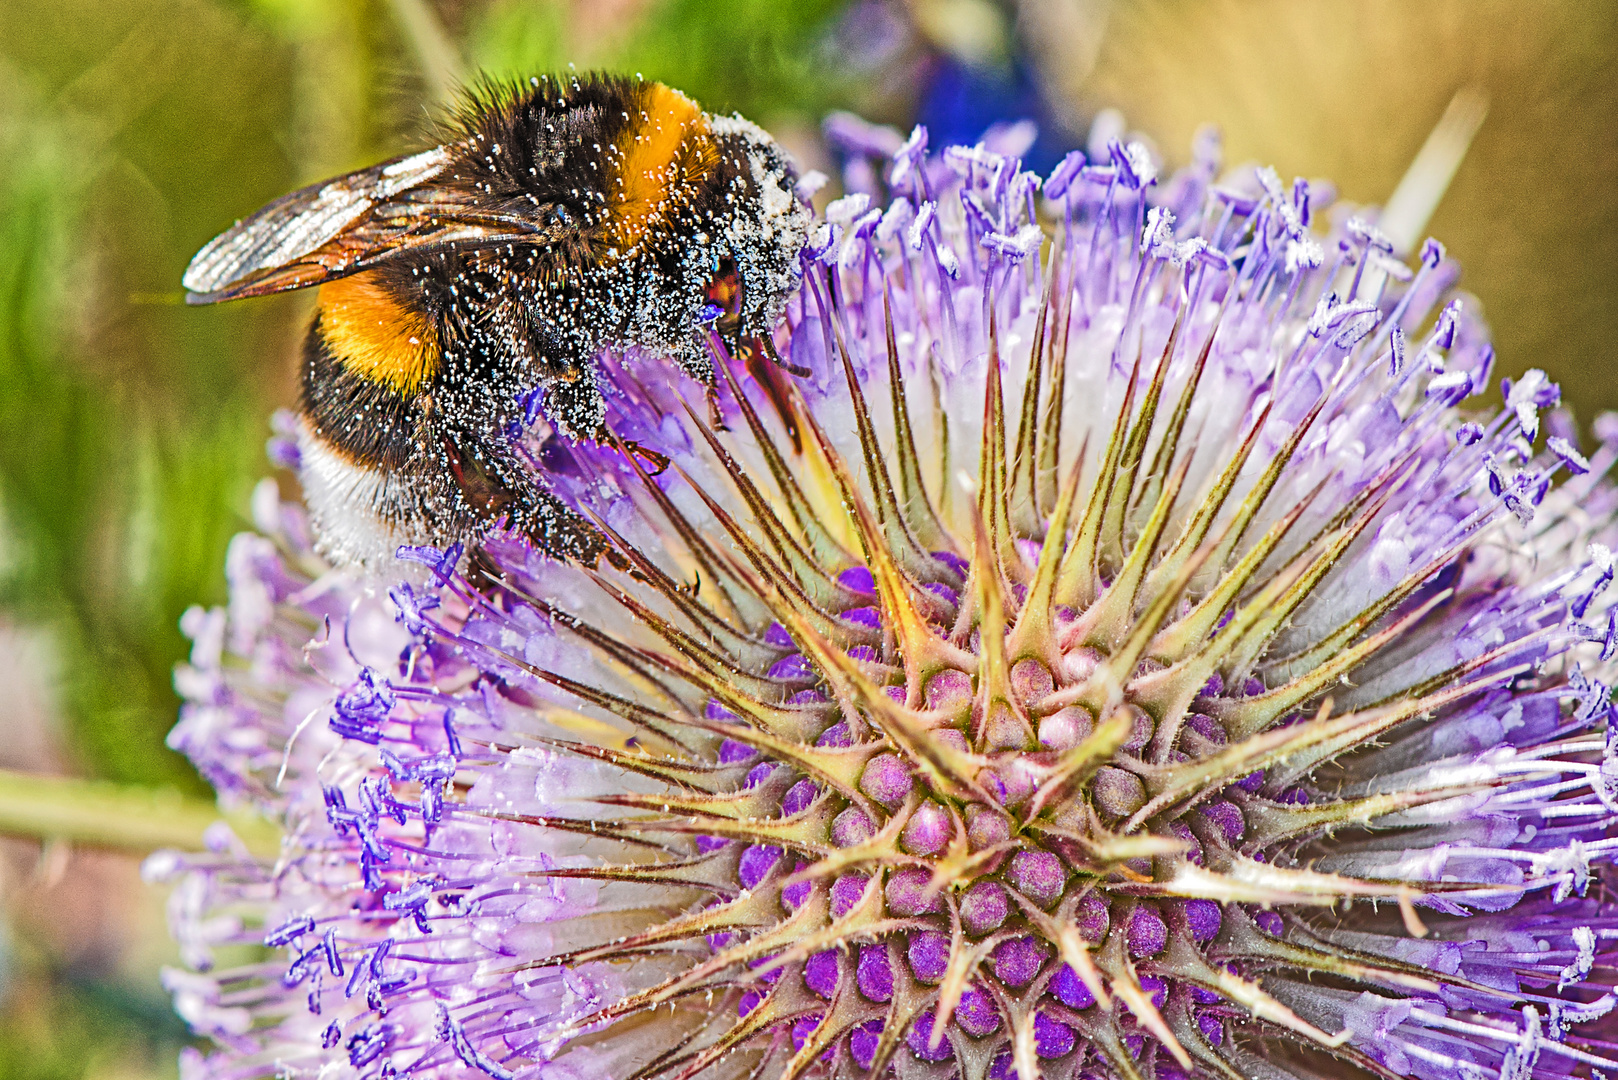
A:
(132, 427)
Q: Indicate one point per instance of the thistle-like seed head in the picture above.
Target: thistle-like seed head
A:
(1118, 658)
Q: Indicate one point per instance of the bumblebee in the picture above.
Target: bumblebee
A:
(564, 216)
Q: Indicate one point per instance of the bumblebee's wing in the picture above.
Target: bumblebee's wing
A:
(341, 226)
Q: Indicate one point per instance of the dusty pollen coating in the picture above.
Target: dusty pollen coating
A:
(564, 217)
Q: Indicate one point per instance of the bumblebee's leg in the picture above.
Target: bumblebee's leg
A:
(558, 531)
(766, 342)
(748, 344)
(481, 488)
(716, 419)
(655, 463)
(495, 486)
(779, 392)
(486, 576)
(573, 402)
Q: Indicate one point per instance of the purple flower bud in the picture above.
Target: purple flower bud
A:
(852, 827)
(874, 975)
(820, 973)
(846, 892)
(928, 955)
(1038, 875)
(919, 1040)
(928, 830)
(1227, 818)
(1017, 960)
(887, 780)
(1070, 989)
(757, 862)
(1202, 916)
(1052, 1039)
(976, 1014)
(984, 908)
(1147, 932)
(908, 894)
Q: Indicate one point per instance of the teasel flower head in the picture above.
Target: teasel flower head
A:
(1122, 654)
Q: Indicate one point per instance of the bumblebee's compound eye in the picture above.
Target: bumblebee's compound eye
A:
(726, 310)
(724, 292)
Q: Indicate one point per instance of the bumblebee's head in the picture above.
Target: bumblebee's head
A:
(759, 228)
(732, 248)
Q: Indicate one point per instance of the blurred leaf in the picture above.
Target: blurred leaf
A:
(760, 57)
(136, 434)
(763, 58)
(511, 39)
(301, 18)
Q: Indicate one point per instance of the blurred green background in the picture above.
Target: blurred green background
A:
(132, 427)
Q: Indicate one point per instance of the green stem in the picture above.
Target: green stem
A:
(130, 817)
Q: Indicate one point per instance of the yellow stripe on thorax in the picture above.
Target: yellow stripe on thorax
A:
(375, 336)
(668, 146)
